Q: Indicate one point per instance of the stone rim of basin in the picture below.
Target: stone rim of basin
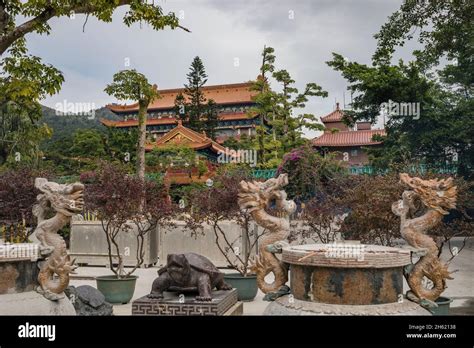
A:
(346, 255)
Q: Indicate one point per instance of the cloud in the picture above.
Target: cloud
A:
(229, 37)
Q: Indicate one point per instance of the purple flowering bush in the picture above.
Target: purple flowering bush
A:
(308, 172)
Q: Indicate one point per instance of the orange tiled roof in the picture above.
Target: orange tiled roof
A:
(221, 94)
(348, 138)
(181, 135)
(170, 120)
(335, 116)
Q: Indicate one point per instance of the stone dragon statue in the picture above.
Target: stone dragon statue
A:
(256, 198)
(432, 199)
(65, 201)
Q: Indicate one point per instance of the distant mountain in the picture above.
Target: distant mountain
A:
(64, 126)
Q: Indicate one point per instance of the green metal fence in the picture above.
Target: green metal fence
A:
(420, 169)
(264, 173)
(270, 173)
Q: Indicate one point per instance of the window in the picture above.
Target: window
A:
(354, 153)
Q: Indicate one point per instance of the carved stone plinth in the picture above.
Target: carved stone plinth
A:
(290, 306)
(19, 269)
(33, 303)
(223, 302)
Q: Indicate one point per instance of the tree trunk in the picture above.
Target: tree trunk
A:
(142, 112)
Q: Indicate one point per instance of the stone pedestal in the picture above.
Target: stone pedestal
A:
(32, 303)
(223, 303)
(18, 280)
(18, 276)
(287, 305)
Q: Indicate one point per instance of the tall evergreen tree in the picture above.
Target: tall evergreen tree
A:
(193, 108)
(197, 78)
(264, 101)
(287, 126)
(277, 110)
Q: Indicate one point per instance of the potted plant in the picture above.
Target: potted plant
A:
(216, 204)
(124, 204)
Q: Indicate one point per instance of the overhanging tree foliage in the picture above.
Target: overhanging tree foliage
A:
(34, 15)
(25, 80)
(445, 129)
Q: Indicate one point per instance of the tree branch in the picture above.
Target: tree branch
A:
(6, 40)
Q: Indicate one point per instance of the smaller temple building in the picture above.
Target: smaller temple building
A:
(183, 136)
(204, 147)
(347, 142)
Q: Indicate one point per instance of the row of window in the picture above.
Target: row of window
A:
(172, 113)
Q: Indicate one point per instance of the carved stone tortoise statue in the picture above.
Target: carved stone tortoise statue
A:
(188, 272)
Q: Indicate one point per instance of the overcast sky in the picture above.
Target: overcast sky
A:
(228, 35)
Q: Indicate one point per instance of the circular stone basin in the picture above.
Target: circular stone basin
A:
(346, 273)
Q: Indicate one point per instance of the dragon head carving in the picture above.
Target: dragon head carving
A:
(255, 195)
(66, 199)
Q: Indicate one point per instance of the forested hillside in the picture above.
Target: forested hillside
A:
(64, 126)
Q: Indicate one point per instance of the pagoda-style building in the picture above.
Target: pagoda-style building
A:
(233, 102)
(204, 147)
(348, 143)
(183, 136)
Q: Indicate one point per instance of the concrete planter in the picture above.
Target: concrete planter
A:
(89, 245)
(175, 240)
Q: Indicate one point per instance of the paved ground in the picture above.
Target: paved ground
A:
(460, 289)
(145, 279)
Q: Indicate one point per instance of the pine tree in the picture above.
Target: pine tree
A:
(197, 77)
(197, 112)
(277, 111)
(287, 126)
(264, 101)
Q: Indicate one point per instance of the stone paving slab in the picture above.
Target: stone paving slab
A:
(460, 289)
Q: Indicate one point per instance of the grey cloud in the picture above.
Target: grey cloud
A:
(223, 32)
